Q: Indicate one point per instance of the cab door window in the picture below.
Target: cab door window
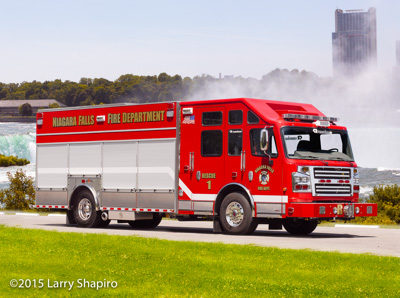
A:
(235, 117)
(252, 118)
(212, 118)
(235, 142)
(211, 143)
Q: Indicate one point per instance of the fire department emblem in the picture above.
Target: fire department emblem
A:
(264, 177)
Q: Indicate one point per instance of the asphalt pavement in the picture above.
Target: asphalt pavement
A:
(348, 239)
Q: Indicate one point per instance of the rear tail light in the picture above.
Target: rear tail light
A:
(39, 119)
(170, 110)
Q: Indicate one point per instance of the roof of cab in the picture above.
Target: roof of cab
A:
(269, 110)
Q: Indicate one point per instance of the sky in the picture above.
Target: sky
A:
(47, 40)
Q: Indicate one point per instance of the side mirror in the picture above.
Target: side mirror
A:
(264, 139)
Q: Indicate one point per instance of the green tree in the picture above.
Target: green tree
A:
(21, 193)
(25, 109)
(54, 105)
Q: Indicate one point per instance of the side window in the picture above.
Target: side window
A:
(255, 143)
(235, 137)
(252, 118)
(212, 118)
(235, 117)
(211, 143)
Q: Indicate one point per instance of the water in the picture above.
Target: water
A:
(18, 139)
(375, 150)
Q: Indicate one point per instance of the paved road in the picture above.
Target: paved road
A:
(384, 242)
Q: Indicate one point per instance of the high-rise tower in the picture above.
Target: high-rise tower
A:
(354, 41)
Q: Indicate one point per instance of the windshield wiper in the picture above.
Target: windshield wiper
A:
(315, 158)
(342, 159)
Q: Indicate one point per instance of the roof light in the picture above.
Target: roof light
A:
(322, 123)
(310, 117)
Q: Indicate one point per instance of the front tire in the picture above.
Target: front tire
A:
(236, 215)
(299, 226)
(85, 213)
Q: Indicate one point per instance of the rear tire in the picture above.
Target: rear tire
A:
(236, 215)
(104, 223)
(299, 226)
(85, 213)
(146, 223)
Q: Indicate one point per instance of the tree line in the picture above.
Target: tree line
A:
(127, 88)
(136, 88)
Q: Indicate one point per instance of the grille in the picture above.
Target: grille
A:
(332, 173)
(332, 189)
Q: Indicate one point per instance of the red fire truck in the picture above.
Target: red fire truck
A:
(238, 162)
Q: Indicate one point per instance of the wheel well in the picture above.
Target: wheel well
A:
(230, 189)
(76, 191)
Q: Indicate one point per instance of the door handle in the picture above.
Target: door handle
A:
(191, 161)
(243, 161)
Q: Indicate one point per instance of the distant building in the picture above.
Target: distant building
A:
(354, 46)
(10, 107)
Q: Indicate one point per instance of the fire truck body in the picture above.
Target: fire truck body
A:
(238, 162)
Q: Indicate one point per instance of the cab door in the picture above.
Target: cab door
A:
(202, 157)
(237, 147)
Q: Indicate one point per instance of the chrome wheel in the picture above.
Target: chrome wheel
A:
(234, 214)
(84, 209)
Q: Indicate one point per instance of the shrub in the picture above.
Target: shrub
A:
(25, 109)
(54, 105)
(388, 200)
(7, 161)
(21, 193)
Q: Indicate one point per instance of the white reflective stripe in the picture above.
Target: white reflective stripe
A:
(198, 196)
(270, 199)
(105, 131)
(120, 170)
(157, 170)
(204, 197)
(52, 170)
(185, 189)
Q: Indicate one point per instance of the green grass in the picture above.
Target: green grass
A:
(151, 267)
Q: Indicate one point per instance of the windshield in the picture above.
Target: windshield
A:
(317, 143)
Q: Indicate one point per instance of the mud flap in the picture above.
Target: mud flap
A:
(70, 218)
(216, 225)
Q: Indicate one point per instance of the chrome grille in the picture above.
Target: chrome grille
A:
(332, 189)
(332, 173)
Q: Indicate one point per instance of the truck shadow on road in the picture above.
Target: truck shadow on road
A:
(128, 231)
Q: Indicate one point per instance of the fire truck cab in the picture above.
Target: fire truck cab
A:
(238, 162)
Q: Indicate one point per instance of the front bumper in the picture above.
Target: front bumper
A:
(331, 210)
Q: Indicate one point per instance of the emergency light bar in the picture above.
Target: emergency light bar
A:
(309, 117)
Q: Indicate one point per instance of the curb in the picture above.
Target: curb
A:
(30, 214)
(357, 226)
